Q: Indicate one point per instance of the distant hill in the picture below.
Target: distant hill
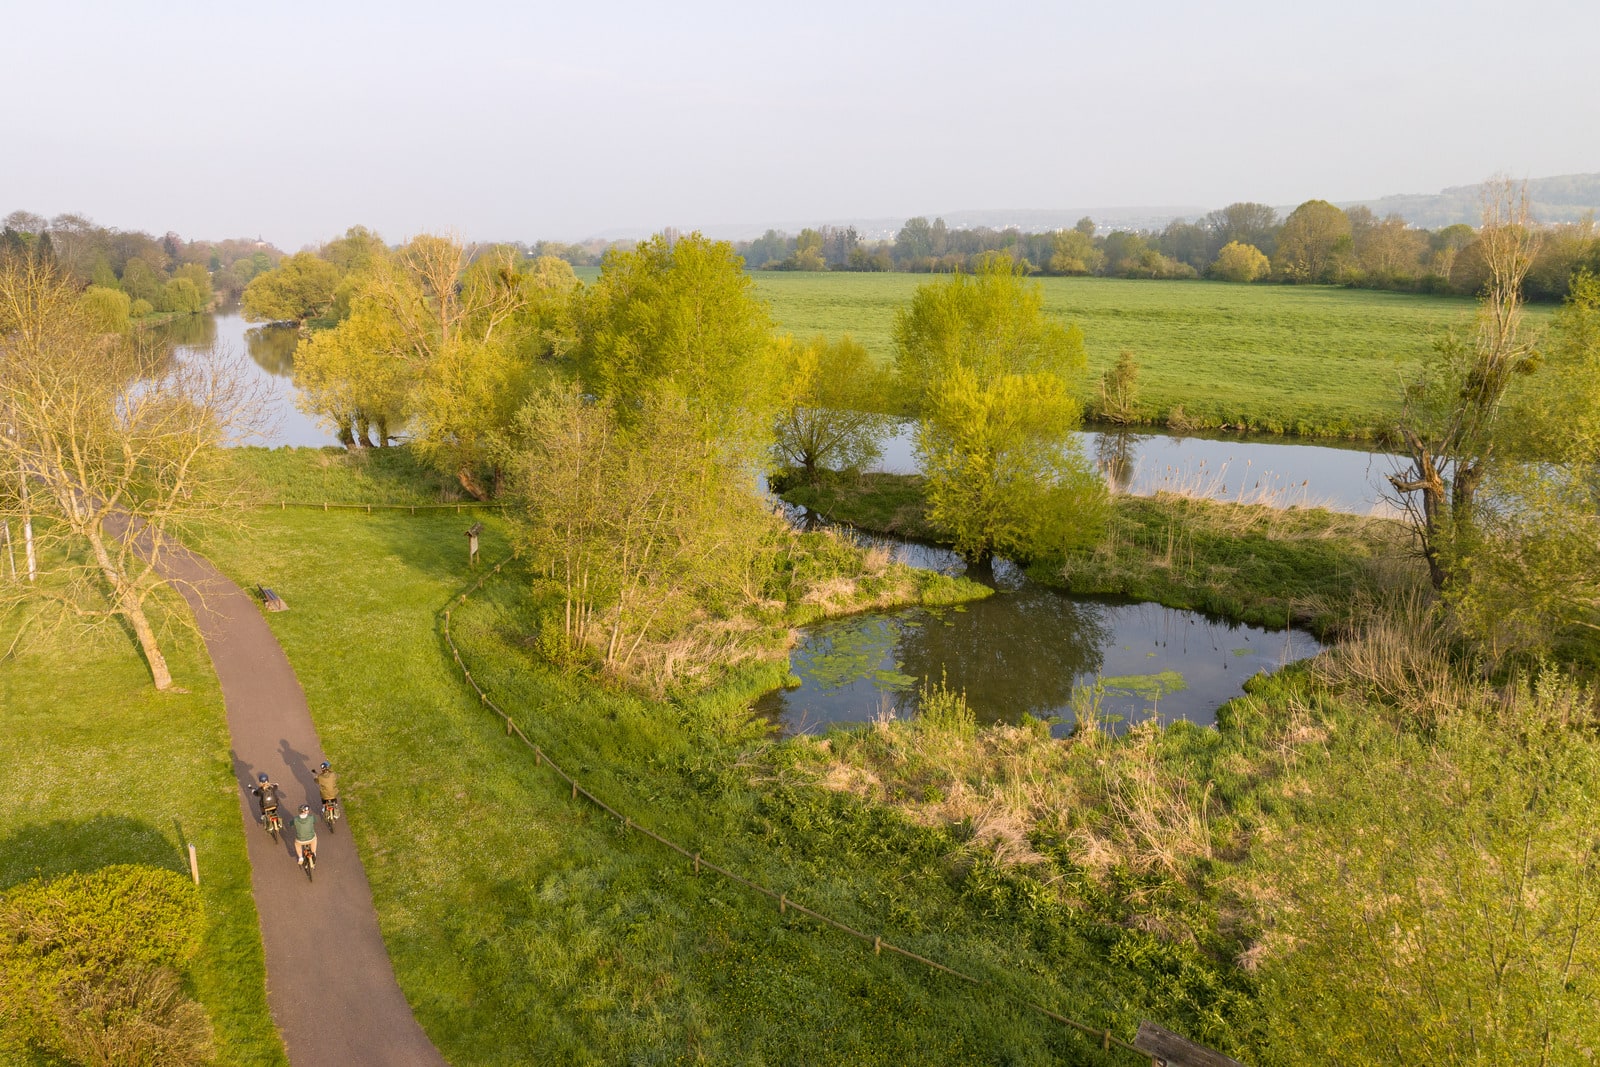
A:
(1566, 198)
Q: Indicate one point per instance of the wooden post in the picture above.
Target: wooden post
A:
(472, 543)
(1175, 1050)
(194, 866)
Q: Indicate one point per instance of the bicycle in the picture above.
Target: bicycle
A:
(273, 824)
(330, 813)
(308, 863)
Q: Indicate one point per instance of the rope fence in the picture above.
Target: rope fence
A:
(1104, 1036)
(325, 505)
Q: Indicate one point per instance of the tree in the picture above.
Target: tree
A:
(356, 376)
(679, 317)
(1310, 240)
(1449, 423)
(993, 377)
(1530, 575)
(830, 403)
(1074, 252)
(1240, 263)
(1246, 223)
(641, 524)
(301, 287)
(462, 330)
(106, 449)
(1119, 390)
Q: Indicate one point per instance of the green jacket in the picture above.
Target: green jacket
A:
(305, 826)
(327, 784)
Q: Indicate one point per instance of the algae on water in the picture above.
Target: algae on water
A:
(1149, 686)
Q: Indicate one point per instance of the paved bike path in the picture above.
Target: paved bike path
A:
(330, 986)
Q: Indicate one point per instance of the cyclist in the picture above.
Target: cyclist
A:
(266, 794)
(305, 833)
(327, 785)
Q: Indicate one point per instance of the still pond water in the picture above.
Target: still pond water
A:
(1022, 651)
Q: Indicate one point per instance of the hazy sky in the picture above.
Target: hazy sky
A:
(294, 120)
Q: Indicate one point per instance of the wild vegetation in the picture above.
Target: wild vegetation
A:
(1350, 827)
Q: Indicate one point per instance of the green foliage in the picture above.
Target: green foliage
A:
(1119, 391)
(1002, 474)
(992, 376)
(828, 405)
(1443, 906)
(109, 309)
(677, 316)
(181, 296)
(85, 964)
(1240, 263)
(941, 709)
(141, 308)
(300, 287)
(355, 374)
(1311, 242)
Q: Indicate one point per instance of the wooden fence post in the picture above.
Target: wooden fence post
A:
(194, 866)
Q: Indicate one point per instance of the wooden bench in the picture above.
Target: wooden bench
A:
(271, 600)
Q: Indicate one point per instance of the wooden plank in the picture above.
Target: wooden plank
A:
(1177, 1051)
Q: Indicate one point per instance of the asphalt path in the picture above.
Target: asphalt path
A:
(330, 986)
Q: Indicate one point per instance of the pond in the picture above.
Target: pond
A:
(1249, 470)
(270, 364)
(1023, 651)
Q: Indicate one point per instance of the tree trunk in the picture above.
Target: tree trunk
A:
(470, 483)
(129, 607)
(383, 431)
(363, 429)
(346, 438)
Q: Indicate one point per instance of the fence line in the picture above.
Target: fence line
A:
(1107, 1039)
(327, 505)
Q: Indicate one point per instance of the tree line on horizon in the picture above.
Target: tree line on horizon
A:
(1316, 243)
(134, 274)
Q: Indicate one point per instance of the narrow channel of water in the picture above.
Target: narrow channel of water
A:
(1023, 651)
(1281, 473)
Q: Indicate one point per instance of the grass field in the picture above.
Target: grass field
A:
(97, 768)
(525, 928)
(1308, 360)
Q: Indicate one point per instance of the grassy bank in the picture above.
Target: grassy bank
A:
(524, 927)
(1261, 565)
(96, 768)
(1308, 360)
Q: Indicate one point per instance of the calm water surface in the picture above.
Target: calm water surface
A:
(1221, 467)
(268, 353)
(1022, 651)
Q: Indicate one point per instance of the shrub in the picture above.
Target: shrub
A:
(88, 961)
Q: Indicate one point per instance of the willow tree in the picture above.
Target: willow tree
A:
(994, 378)
(107, 451)
(470, 325)
(1450, 422)
(830, 403)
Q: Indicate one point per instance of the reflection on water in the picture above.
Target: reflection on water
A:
(271, 352)
(272, 348)
(1023, 651)
(1244, 470)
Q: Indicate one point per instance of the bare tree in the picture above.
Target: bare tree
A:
(108, 448)
(1451, 408)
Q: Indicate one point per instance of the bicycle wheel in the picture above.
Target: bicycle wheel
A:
(309, 862)
(272, 827)
(330, 815)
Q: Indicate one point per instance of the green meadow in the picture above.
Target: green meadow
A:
(1312, 360)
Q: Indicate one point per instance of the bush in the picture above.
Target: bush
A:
(89, 961)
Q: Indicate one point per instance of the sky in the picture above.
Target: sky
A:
(294, 120)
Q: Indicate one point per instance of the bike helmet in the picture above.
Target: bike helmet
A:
(305, 809)
(324, 764)
(262, 777)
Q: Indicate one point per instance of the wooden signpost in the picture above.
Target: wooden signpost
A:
(472, 543)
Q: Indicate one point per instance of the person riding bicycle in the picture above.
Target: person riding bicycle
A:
(305, 833)
(327, 785)
(267, 795)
